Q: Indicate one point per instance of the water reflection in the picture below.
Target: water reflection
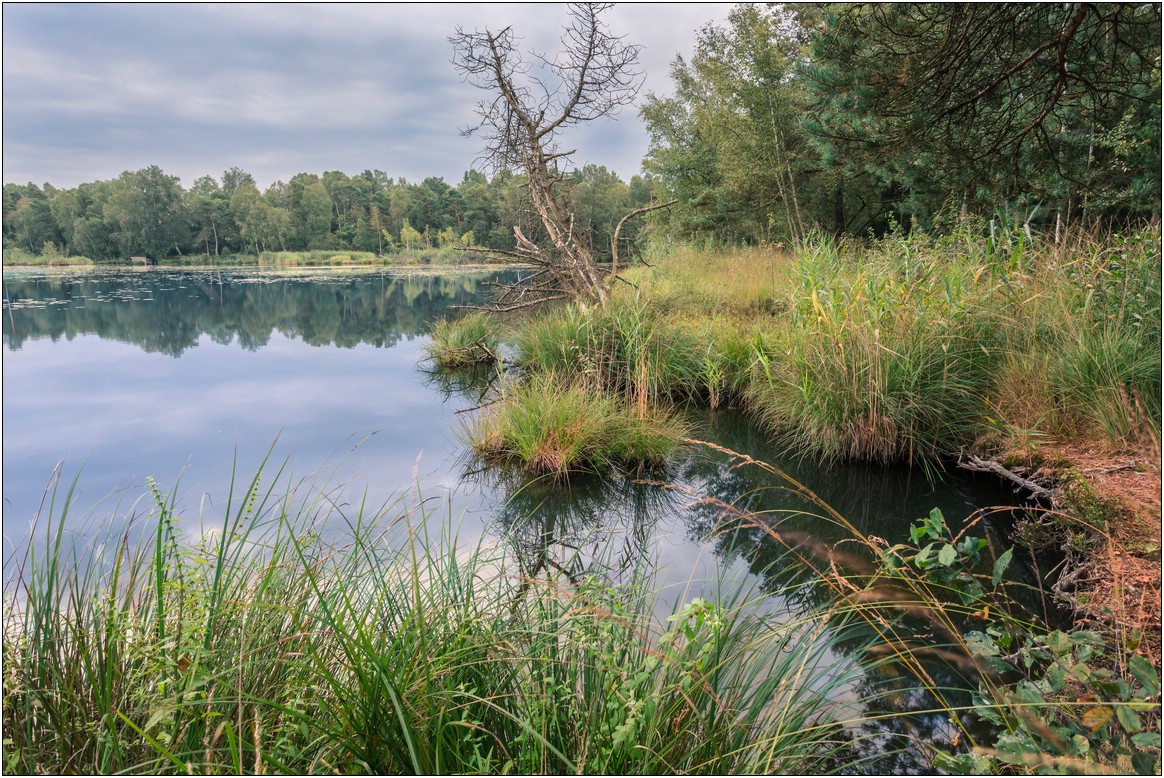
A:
(590, 525)
(71, 383)
(787, 535)
(166, 311)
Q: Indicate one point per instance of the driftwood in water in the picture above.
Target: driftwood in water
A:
(980, 465)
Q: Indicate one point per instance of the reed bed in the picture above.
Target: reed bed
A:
(908, 349)
(306, 636)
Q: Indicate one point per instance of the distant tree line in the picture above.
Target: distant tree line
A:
(148, 213)
(850, 117)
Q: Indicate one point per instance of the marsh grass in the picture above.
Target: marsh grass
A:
(549, 425)
(881, 360)
(911, 347)
(463, 342)
(310, 635)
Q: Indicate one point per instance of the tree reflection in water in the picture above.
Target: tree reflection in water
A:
(168, 310)
(607, 526)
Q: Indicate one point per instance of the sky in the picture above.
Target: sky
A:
(92, 90)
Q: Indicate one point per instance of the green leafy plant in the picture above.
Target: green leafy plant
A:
(1084, 699)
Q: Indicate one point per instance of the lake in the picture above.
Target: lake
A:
(191, 376)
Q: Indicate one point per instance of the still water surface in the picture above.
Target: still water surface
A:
(189, 376)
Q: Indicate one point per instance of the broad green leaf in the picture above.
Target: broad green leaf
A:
(1145, 764)
(1058, 642)
(1129, 719)
(980, 644)
(1000, 566)
(937, 523)
(1016, 747)
(947, 555)
(1085, 638)
(969, 591)
(1146, 674)
(1147, 740)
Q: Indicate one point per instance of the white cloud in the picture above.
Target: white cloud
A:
(281, 88)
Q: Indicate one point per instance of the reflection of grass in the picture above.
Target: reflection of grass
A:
(286, 644)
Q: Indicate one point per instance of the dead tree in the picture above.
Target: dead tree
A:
(593, 76)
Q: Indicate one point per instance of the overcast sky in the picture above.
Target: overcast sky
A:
(92, 90)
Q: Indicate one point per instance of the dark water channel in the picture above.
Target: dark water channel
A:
(186, 376)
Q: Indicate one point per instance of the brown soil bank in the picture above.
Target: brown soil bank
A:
(1108, 501)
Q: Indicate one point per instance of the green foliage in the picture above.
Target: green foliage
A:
(979, 104)
(280, 642)
(1084, 699)
(147, 212)
(843, 116)
(728, 144)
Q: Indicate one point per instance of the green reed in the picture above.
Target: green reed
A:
(306, 634)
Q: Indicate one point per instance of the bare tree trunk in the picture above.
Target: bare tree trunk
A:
(594, 75)
(618, 229)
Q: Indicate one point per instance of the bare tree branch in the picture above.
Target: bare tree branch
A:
(596, 75)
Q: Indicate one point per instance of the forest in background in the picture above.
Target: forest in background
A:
(147, 212)
(846, 119)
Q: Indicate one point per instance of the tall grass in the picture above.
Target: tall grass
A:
(462, 342)
(912, 347)
(309, 636)
(628, 348)
(881, 360)
(551, 427)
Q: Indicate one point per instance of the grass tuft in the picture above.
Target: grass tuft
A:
(548, 426)
(305, 637)
(464, 342)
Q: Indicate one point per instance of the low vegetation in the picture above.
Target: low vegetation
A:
(49, 256)
(448, 256)
(463, 342)
(909, 349)
(547, 428)
(303, 638)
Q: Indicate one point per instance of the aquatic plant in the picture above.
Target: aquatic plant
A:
(548, 425)
(303, 636)
(464, 341)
